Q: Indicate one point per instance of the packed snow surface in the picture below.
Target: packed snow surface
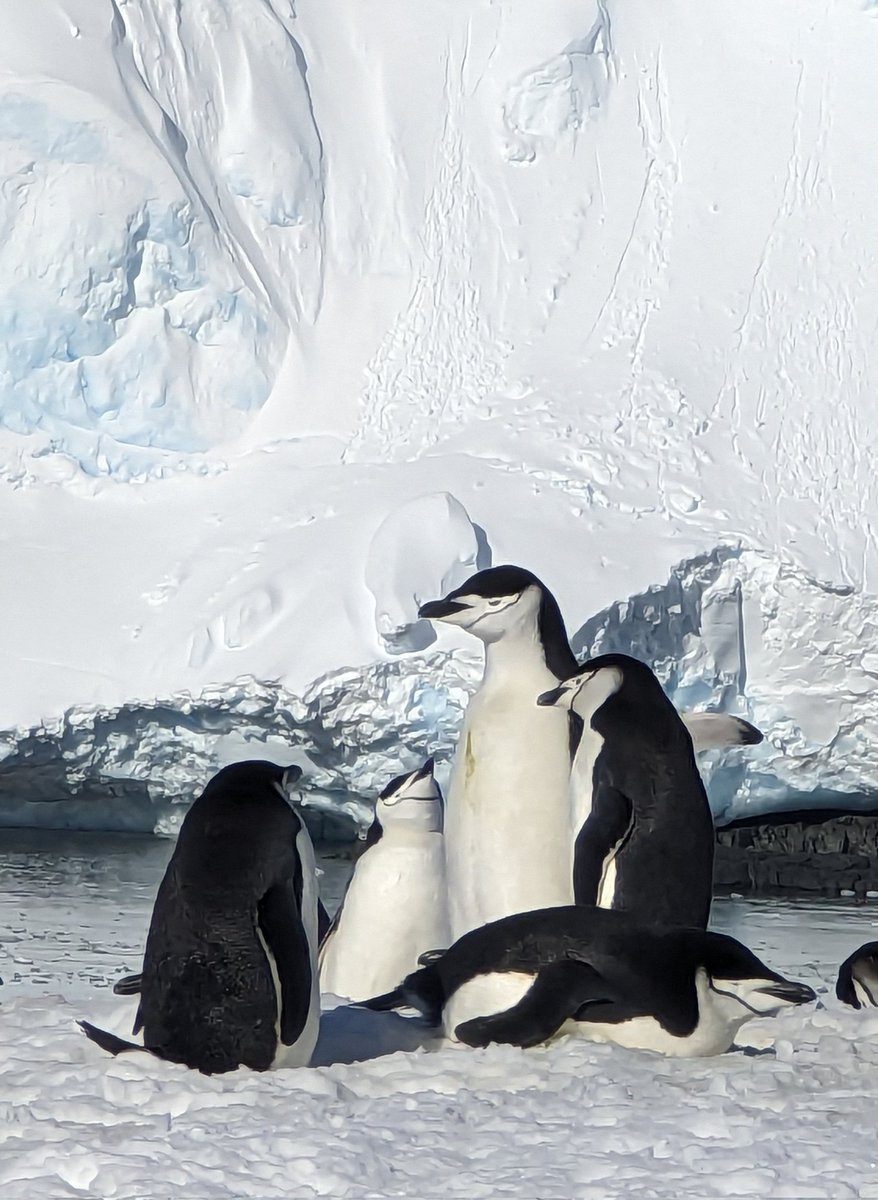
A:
(381, 1115)
(311, 309)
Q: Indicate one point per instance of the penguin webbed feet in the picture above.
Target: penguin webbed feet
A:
(429, 957)
(752, 1051)
(128, 985)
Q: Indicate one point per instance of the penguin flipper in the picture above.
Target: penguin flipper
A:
(605, 828)
(558, 993)
(711, 730)
(128, 985)
(281, 924)
(108, 1041)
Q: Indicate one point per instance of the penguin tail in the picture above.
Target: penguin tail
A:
(108, 1041)
(421, 990)
(385, 1003)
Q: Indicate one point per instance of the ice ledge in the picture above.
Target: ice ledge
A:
(732, 629)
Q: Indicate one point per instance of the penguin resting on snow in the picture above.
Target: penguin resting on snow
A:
(857, 983)
(596, 973)
(230, 968)
(641, 822)
(396, 905)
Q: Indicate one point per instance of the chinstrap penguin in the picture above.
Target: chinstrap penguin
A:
(507, 822)
(507, 829)
(230, 968)
(642, 826)
(857, 983)
(596, 973)
(396, 905)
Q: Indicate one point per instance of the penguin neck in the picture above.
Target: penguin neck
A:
(411, 828)
(518, 660)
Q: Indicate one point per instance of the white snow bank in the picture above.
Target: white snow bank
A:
(279, 278)
(571, 1119)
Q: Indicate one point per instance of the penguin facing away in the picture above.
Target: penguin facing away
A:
(395, 907)
(507, 820)
(597, 973)
(642, 826)
(857, 983)
(230, 968)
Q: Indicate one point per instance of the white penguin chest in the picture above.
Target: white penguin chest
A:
(394, 910)
(507, 821)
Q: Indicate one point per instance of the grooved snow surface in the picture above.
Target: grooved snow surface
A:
(571, 1120)
(309, 307)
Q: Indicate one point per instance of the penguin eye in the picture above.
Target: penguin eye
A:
(498, 600)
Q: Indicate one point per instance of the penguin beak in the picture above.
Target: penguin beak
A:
(548, 699)
(439, 610)
(426, 770)
(789, 992)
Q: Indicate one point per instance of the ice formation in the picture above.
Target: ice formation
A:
(310, 307)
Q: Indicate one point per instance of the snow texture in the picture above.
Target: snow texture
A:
(312, 308)
(379, 1116)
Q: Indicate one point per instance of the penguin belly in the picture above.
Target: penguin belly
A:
(507, 825)
(395, 909)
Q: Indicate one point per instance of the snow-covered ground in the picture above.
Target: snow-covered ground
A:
(309, 309)
(571, 1120)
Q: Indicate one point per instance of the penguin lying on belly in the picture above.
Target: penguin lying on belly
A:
(682, 992)
(396, 905)
(642, 829)
(857, 983)
(230, 968)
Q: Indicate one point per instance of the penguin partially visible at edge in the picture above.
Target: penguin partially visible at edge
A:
(857, 983)
(230, 968)
(641, 822)
(396, 904)
(599, 974)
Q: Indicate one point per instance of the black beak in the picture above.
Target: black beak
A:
(435, 610)
(426, 770)
(549, 698)
(791, 993)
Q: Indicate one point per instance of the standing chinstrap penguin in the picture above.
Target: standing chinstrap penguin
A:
(507, 826)
(641, 822)
(596, 973)
(230, 968)
(396, 904)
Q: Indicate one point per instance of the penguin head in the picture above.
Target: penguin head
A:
(507, 602)
(618, 691)
(857, 983)
(586, 691)
(241, 780)
(740, 985)
(413, 799)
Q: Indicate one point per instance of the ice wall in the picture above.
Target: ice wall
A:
(311, 308)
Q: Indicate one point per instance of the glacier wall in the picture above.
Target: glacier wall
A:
(313, 308)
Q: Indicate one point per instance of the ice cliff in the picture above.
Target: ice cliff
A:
(311, 309)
